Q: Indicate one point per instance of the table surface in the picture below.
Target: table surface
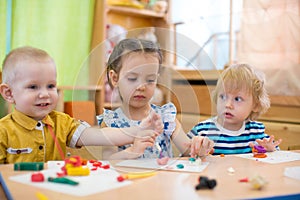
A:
(181, 185)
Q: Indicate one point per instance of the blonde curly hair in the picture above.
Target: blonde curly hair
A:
(240, 77)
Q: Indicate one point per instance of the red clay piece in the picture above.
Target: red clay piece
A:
(120, 178)
(244, 180)
(37, 177)
(106, 166)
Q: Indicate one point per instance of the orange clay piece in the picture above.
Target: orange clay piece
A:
(259, 155)
(84, 162)
(222, 155)
(256, 154)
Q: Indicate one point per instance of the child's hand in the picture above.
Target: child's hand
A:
(140, 144)
(201, 146)
(268, 143)
(147, 135)
(154, 122)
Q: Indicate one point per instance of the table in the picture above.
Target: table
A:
(178, 185)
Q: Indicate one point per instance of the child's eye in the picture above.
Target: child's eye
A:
(222, 96)
(238, 99)
(131, 79)
(51, 86)
(151, 80)
(33, 87)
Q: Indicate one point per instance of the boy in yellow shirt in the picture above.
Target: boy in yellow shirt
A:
(34, 131)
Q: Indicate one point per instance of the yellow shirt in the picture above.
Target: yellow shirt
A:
(23, 139)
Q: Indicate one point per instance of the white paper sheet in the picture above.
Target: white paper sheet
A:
(171, 166)
(292, 172)
(98, 181)
(274, 157)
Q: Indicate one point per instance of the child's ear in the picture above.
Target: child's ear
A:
(113, 76)
(6, 93)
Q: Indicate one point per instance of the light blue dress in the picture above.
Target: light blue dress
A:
(116, 118)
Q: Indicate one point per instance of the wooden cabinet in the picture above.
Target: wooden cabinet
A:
(134, 21)
(191, 94)
(191, 91)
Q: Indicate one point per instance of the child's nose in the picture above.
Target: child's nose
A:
(229, 103)
(43, 93)
(142, 86)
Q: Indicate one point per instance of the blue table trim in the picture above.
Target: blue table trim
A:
(5, 188)
(282, 197)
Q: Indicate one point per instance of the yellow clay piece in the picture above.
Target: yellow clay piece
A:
(139, 175)
(78, 171)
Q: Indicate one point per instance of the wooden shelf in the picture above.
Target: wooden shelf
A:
(186, 74)
(133, 20)
(134, 11)
(88, 87)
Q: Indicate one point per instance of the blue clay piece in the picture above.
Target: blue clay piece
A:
(180, 166)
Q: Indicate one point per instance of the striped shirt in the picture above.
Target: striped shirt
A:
(227, 141)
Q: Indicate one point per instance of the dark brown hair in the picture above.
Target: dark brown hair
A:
(127, 46)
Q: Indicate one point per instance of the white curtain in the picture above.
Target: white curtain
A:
(269, 39)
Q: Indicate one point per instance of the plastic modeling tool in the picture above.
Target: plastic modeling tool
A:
(135, 175)
(62, 180)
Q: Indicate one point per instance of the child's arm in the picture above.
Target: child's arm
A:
(133, 152)
(197, 146)
(150, 128)
(268, 143)
(94, 136)
(181, 140)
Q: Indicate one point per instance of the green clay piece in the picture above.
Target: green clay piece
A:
(63, 180)
(29, 166)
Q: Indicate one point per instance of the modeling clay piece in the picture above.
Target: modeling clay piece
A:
(105, 166)
(259, 151)
(205, 183)
(230, 170)
(258, 182)
(78, 171)
(97, 164)
(29, 166)
(180, 166)
(244, 180)
(194, 161)
(162, 161)
(41, 196)
(198, 162)
(74, 167)
(37, 177)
